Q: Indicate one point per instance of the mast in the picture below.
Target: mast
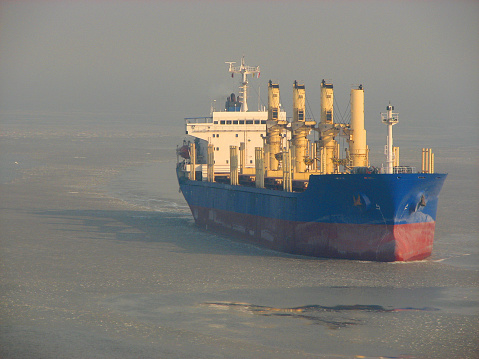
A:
(389, 118)
(244, 71)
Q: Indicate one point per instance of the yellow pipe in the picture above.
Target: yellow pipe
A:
(357, 143)
(259, 167)
(234, 165)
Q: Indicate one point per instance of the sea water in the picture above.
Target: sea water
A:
(195, 294)
(261, 303)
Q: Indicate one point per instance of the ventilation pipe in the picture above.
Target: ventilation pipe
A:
(358, 150)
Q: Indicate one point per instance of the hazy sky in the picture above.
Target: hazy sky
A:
(166, 58)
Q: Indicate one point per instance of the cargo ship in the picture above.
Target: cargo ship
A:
(282, 182)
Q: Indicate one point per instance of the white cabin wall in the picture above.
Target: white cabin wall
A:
(222, 133)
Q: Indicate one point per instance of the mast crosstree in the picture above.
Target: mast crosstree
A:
(244, 71)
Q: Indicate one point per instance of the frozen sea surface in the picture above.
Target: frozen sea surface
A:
(419, 309)
(100, 258)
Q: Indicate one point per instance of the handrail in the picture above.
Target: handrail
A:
(196, 119)
(404, 169)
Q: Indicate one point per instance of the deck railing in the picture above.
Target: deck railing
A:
(199, 120)
(404, 169)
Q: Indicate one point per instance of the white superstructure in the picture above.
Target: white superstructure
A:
(227, 129)
(235, 126)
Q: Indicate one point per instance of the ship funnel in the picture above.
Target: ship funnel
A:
(358, 150)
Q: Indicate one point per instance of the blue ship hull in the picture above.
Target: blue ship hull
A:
(380, 217)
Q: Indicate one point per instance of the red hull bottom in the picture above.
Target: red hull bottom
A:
(373, 242)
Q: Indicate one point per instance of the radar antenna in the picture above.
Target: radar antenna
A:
(244, 71)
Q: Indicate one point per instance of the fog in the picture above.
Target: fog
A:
(164, 60)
